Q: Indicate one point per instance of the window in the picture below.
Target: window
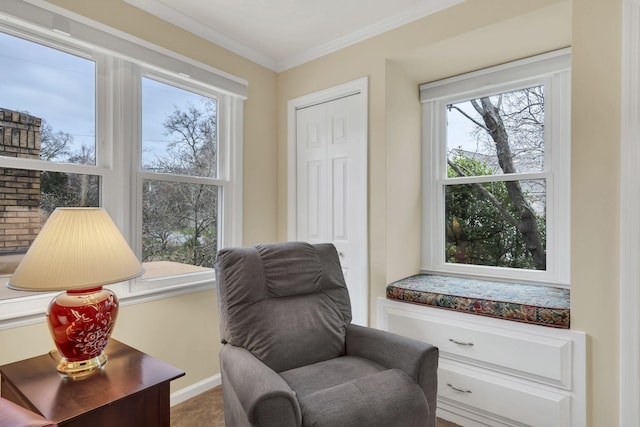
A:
(179, 171)
(156, 140)
(496, 156)
(47, 140)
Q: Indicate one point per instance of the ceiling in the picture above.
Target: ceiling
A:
(280, 34)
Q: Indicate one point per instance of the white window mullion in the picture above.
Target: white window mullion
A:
(233, 191)
(181, 178)
(559, 184)
(106, 133)
(433, 209)
(133, 90)
(440, 167)
(493, 178)
(114, 127)
(225, 169)
(42, 165)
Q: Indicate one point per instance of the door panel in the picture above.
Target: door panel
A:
(340, 191)
(331, 188)
(314, 201)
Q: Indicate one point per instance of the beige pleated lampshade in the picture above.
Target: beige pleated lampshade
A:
(77, 248)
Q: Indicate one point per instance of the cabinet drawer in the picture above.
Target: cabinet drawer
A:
(510, 402)
(538, 357)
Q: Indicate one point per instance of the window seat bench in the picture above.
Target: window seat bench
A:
(540, 305)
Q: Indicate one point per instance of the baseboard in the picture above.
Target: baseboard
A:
(195, 389)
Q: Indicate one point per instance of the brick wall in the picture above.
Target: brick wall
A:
(19, 188)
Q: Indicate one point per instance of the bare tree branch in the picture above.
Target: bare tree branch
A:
(477, 123)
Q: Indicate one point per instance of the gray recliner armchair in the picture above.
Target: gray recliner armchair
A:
(291, 356)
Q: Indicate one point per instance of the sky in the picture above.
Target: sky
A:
(459, 129)
(158, 101)
(60, 88)
(46, 84)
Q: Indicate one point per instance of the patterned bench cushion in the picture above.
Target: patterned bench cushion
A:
(540, 305)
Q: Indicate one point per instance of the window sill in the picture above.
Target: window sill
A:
(540, 305)
(28, 308)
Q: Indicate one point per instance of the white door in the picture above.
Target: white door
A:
(331, 187)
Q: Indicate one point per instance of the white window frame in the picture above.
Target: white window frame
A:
(121, 60)
(222, 181)
(553, 71)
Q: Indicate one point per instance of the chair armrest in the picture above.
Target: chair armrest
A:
(13, 415)
(418, 359)
(265, 397)
(391, 350)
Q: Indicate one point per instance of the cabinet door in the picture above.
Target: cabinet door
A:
(510, 401)
(537, 357)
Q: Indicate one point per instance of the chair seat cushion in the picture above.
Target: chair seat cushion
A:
(353, 392)
(329, 373)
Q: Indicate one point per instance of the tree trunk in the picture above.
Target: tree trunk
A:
(527, 224)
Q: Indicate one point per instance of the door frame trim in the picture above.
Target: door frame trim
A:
(629, 211)
(358, 86)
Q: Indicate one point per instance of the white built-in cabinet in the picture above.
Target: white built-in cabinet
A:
(495, 372)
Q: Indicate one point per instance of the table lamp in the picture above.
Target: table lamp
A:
(78, 251)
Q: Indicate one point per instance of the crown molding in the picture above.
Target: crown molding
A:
(179, 19)
(420, 10)
(175, 17)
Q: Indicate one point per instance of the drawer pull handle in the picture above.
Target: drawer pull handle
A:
(461, 390)
(461, 342)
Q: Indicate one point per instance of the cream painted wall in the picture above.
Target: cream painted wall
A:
(595, 176)
(474, 35)
(23, 342)
(183, 331)
(403, 171)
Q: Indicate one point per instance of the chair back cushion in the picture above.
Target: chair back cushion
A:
(287, 303)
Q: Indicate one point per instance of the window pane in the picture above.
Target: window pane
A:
(179, 227)
(501, 134)
(485, 226)
(179, 131)
(47, 102)
(27, 198)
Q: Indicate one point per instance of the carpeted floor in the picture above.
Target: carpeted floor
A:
(206, 410)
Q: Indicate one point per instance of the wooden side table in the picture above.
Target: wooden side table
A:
(131, 390)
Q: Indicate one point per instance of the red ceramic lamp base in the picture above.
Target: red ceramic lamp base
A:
(80, 322)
